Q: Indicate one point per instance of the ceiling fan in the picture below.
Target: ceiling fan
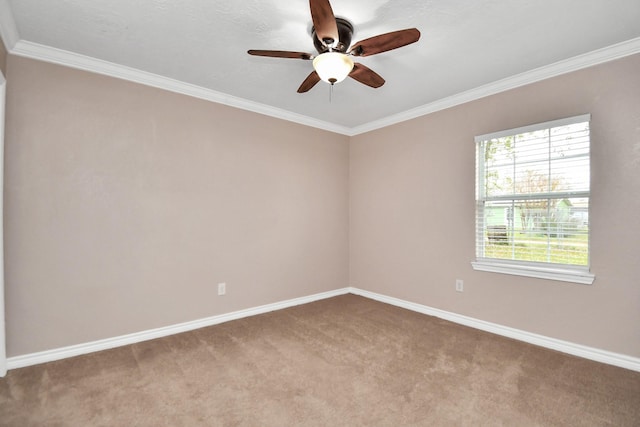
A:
(332, 40)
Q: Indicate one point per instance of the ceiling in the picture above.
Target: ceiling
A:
(468, 49)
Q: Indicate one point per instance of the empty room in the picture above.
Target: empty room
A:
(322, 213)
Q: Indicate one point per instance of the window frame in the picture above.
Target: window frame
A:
(562, 272)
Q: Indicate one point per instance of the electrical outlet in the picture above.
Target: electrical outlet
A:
(222, 288)
(459, 285)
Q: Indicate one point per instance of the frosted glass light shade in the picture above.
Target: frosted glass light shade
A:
(333, 67)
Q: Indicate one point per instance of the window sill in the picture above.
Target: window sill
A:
(577, 275)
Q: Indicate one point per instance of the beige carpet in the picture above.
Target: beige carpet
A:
(344, 361)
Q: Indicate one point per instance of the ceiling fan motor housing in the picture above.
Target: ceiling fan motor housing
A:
(345, 32)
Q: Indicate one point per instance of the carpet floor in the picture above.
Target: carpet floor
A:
(343, 361)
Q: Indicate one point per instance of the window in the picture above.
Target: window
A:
(532, 201)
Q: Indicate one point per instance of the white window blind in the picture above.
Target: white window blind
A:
(532, 200)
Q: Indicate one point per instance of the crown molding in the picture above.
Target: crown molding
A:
(36, 51)
(8, 29)
(610, 53)
(69, 59)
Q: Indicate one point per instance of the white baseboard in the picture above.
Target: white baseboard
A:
(590, 353)
(106, 344)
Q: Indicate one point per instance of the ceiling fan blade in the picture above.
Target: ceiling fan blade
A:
(366, 76)
(280, 54)
(324, 22)
(309, 82)
(385, 42)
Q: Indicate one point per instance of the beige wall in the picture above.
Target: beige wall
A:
(126, 205)
(412, 211)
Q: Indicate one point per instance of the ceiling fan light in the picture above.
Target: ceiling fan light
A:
(333, 67)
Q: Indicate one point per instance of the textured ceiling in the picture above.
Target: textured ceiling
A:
(465, 44)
